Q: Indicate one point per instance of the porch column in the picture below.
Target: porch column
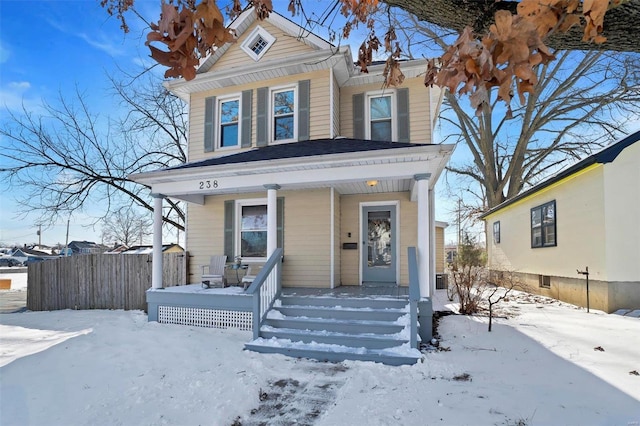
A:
(272, 218)
(156, 271)
(432, 243)
(424, 231)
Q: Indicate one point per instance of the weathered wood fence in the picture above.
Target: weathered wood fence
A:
(99, 281)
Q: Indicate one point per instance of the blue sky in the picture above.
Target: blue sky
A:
(48, 48)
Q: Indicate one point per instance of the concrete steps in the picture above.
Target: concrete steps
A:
(338, 329)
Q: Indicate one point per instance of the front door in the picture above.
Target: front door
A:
(379, 245)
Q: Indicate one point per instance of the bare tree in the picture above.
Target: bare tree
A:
(69, 159)
(498, 288)
(125, 226)
(581, 101)
(467, 276)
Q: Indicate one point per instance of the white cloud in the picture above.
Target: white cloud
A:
(20, 85)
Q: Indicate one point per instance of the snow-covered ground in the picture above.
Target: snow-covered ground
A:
(545, 363)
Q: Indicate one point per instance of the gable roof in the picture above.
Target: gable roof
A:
(604, 156)
(244, 21)
(301, 149)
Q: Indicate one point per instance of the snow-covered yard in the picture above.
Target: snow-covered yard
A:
(549, 363)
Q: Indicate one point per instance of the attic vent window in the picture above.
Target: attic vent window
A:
(257, 43)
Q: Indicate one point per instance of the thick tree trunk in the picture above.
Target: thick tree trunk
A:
(620, 25)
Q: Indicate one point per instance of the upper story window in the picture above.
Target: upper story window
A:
(229, 120)
(543, 225)
(283, 114)
(381, 116)
(257, 43)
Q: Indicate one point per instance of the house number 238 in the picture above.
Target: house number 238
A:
(208, 184)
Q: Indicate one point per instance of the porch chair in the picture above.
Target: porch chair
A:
(213, 273)
(248, 278)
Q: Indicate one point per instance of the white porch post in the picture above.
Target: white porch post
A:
(432, 243)
(424, 231)
(156, 272)
(272, 218)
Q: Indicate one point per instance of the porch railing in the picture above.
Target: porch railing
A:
(265, 289)
(414, 296)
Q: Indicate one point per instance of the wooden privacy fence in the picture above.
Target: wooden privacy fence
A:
(99, 281)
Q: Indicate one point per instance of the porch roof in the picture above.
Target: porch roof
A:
(344, 164)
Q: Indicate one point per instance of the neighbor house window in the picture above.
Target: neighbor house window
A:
(283, 113)
(543, 225)
(257, 43)
(380, 117)
(252, 229)
(544, 281)
(229, 119)
(496, 232)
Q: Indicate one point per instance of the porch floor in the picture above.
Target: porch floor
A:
(364, 291)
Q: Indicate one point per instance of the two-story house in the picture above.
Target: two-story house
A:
(292, 150)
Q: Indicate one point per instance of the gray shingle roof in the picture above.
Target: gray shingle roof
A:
(298, 150)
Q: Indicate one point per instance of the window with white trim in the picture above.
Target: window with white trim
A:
(251, 229)
(257, 43)
(380, 116)
(229, 122)
(284, 117)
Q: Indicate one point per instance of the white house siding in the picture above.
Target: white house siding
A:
(622, 225)
(622, 215)
(319, 109)
(419, 108)
(350, 222)
(582, 241)
(284, 47)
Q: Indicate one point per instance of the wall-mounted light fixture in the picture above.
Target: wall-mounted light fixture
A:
(372, 182)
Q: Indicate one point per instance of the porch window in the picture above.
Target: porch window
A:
(229, 134)
(380, 113)
(543, 225)
(283, 114)
(252, 229)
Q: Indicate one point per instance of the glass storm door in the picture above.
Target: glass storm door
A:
(379, 248)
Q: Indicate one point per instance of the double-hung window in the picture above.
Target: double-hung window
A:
(380, 113)
(543, 225)
(283, 114)
(229, 122)
(252, 229)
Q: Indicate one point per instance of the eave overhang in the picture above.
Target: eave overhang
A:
(394, 169)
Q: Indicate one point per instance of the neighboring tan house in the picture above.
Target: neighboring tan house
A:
(301, 164)
(586, 216)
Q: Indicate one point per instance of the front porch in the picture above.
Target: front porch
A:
(370, 322)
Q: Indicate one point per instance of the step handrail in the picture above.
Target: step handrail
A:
(414, 295)
(265, 289)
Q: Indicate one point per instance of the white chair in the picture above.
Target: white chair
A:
(213, 273)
